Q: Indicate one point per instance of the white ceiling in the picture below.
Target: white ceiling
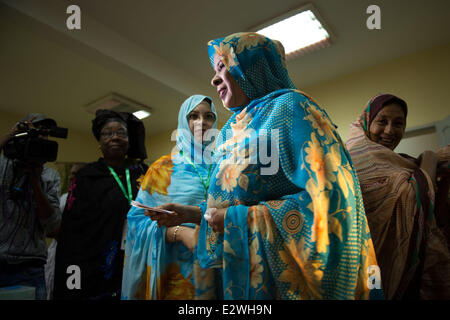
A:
(154, 52)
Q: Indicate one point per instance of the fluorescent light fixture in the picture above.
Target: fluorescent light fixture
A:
(141, 114)
(119, 103)
(298, 31)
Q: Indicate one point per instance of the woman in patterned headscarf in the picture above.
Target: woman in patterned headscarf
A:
(94, 219)
(284, 216)
(399, 199)
(158, 261)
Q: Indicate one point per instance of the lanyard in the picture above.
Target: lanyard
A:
(129, 197)
(205, 184)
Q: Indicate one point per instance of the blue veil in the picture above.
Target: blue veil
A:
(154, 269)
(298, 230)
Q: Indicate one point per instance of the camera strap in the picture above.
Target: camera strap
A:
(128, 196)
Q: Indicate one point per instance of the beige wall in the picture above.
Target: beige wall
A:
(7, 121)
(82, 147)
(159, 145)
(415, 145)
(421, 79)
(78, 147)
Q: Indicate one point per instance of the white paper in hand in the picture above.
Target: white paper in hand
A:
(208, 213)
(143, 206)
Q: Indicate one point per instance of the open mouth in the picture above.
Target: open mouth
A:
(115, 146)
(387, 142)
(222, 93)
(199, 133)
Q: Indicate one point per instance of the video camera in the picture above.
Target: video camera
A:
(28, 146)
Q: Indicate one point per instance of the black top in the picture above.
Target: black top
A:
(91, 232)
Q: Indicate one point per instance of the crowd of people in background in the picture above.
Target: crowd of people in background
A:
(215, 220)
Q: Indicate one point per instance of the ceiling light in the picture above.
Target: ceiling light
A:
(119, 103)
(299, 31)
(141, 114)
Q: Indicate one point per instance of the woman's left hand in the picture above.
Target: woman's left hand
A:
(181, 214)
(217, 219)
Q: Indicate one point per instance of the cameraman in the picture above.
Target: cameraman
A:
(29, 212)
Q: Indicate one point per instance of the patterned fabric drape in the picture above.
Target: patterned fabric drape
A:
(295, 226)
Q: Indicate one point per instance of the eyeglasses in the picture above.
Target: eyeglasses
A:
(109, 134)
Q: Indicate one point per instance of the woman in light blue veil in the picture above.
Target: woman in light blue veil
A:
(159, 261)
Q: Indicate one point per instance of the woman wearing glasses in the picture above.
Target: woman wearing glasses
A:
(89, 257)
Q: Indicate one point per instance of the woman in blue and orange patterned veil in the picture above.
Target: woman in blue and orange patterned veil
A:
(158, 261)
(284, 217)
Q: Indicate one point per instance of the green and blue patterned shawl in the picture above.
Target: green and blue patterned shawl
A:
(295, 226)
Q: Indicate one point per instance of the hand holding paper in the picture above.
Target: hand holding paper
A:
(172, 214)
(155, 209)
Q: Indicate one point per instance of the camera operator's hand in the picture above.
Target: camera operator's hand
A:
(43, 206)
(14, 130)
(18, 127)
(34, 170)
